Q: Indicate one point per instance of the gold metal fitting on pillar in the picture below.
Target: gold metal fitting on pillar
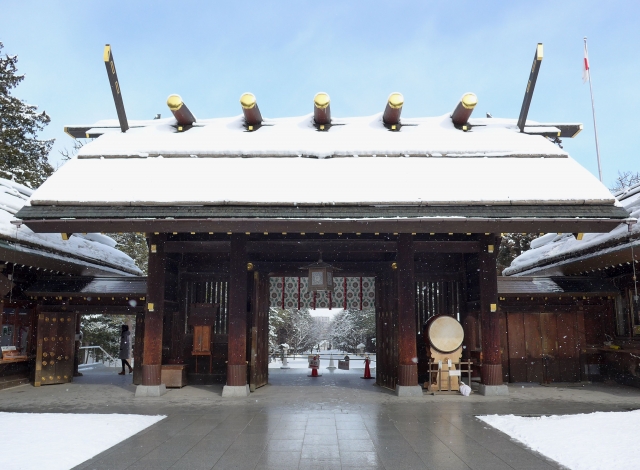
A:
(494, 307)
(249, 266)
(394, 265)
(150, 306)
(490, 248)
(154, 249)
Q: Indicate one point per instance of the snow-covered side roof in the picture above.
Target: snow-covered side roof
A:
(552, 248)
(347, 137)
(337, 181)
(92, 248)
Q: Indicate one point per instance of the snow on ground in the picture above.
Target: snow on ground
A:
(579, 442)
(301, 361)
(66, 440)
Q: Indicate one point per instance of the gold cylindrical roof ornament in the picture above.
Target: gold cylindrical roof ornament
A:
(180, 111)
(463, 110)
(252, 116)
(391, 115)
(322, 109)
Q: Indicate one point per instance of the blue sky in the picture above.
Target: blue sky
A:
(357, 51)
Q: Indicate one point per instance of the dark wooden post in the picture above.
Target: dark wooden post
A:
(152, 352)
(491, 358)
(237, 357)
(407, 350)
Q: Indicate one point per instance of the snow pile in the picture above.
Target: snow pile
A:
(347, 181)
(66, 440)
(580, 442)
(297, 136)
(552, 246)
(90, 247)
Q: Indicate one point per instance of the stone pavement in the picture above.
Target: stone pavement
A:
(336, 421)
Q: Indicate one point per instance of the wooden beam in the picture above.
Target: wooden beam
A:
(212, 246)
(531, 85)
(327, 246)
(103, 309)
(446, 246)
(309, 226)
(316, 246)
(115, 88)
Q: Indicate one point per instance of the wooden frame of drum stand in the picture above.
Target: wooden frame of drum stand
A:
(446, 336)
(435, 369)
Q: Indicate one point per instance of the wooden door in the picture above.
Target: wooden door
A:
(386, 332)
(549, 340)
(259, 339)
(55, 348)
(201, 340)
(533, 347)
(516, 347)
(569, 344)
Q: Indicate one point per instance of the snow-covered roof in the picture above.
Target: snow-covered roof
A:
(336, 181)
(427, 161)
(94, 251)
(554, 249)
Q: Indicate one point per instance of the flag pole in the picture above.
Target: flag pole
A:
(593, 110)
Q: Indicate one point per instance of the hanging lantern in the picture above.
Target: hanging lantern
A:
(320, 276)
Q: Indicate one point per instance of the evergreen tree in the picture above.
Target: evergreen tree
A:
(103, 330)
(23, 157)
(349, 328)
(512, 246)
(134, 245)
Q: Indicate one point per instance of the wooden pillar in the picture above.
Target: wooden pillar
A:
(407, 350)
(152, 352)
(490, 324)
(237, 358)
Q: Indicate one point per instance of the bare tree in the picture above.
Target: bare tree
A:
(625, 179)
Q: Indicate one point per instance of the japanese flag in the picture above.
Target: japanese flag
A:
(585, 65)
